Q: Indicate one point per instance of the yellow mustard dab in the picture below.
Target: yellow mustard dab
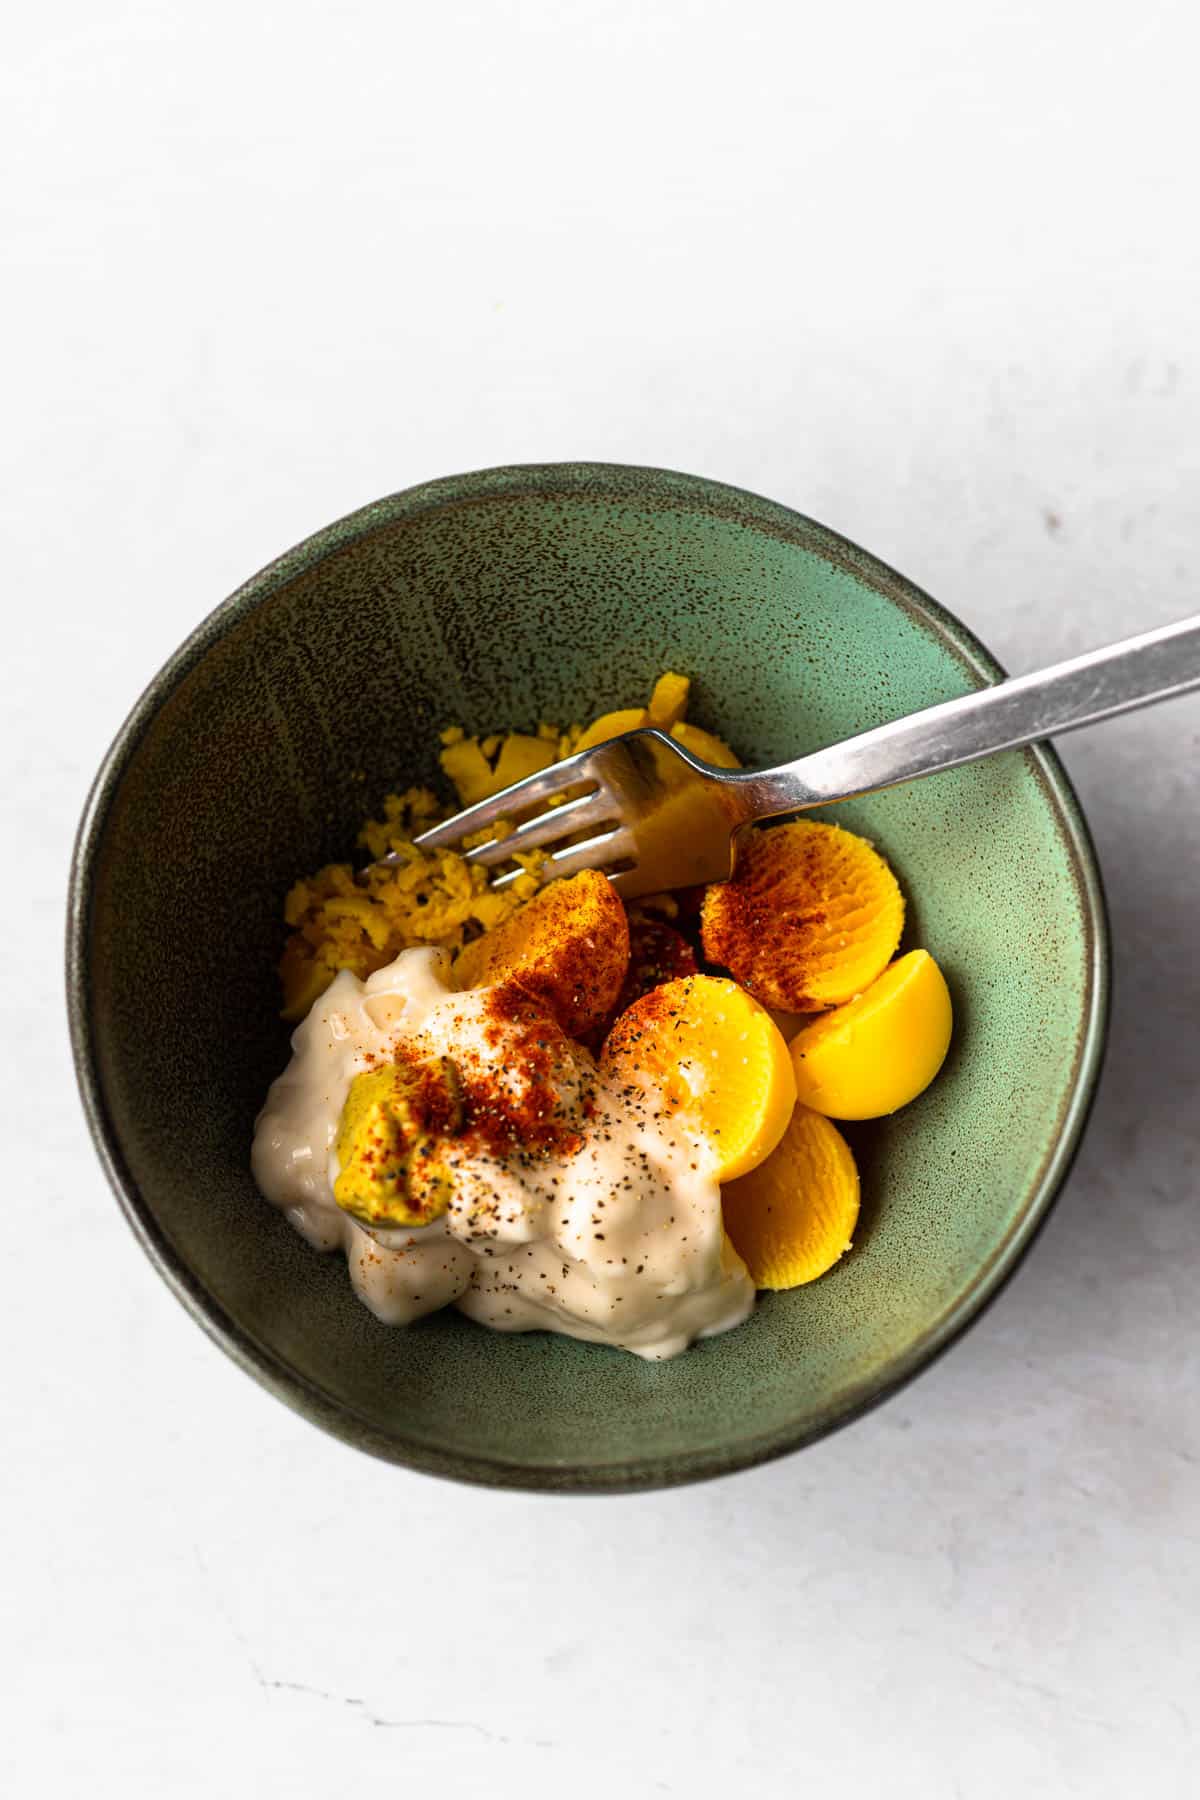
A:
(390, 1169)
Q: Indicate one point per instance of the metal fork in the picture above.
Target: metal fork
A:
(658, 818)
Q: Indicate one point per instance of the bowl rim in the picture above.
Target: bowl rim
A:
(527, 481)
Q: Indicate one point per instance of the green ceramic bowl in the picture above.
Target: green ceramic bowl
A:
(497, 599)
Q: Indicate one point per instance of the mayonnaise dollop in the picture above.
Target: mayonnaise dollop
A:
(612, 1234)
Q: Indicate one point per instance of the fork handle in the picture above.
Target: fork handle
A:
(1137, 671)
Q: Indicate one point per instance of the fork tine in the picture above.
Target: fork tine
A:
(595, 853)
(533, 791)
(556, 822)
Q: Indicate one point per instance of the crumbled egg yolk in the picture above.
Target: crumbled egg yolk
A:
(340, 919)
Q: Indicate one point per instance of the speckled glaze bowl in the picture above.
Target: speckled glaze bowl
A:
(496, 599)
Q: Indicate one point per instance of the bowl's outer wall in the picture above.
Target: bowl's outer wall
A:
(499, 600)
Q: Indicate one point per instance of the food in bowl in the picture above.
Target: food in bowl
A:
(558, 1111)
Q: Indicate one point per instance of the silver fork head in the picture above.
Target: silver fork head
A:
(656, 818)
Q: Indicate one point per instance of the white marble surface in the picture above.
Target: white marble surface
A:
(929, 272)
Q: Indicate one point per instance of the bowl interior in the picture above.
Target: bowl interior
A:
(496, 601)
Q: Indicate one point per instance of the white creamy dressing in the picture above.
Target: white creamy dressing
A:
(619, 1241)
